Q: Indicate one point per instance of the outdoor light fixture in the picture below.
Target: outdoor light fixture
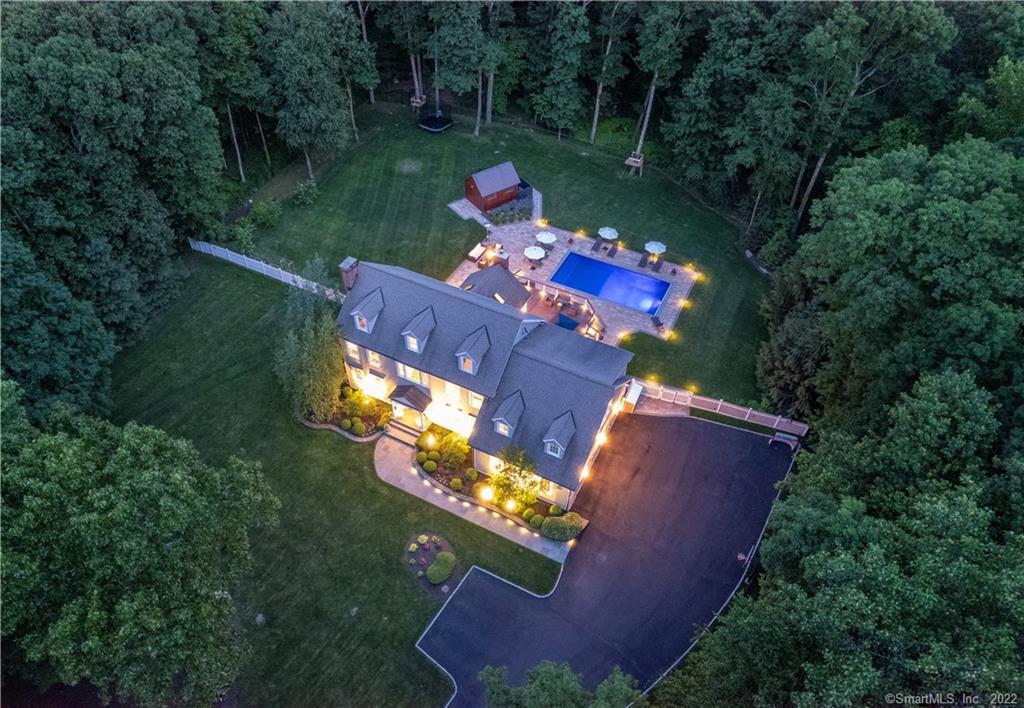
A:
(584, 473)
(617, 407)
(601, 438)
(510, 505)
(430, 440)
(487, 494)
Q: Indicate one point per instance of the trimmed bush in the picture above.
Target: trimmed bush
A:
(346, 424)
(243, 234)
(430, 466)
(358, 427)
(472, 474)
(554, 510)
(422, 538)
(456, 484)
(266, 215)
(307, 193)
(442, 567)
(421, 457)
(527, 513)
(563, 528)
(537, 520)
(434, 455)
(413, 548)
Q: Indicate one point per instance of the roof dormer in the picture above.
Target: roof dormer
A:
(471, 352)
(559, 435)
(365, 313)
(418, 330)
(506, 417)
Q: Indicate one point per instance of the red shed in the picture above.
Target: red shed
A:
(492, 187)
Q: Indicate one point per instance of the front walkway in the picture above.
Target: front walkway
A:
(394, 462)
(677, 509)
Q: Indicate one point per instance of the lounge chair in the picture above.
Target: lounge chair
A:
(547, 246)
(613, 250)
(596, 246)
(643, 261)
(658, 324)
(657, 266)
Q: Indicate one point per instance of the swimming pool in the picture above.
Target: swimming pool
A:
(626, 287)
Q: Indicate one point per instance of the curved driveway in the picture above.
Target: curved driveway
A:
(672, 503)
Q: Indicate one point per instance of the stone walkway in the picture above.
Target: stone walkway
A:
(466, 211)
(394, 464)
(538, 205)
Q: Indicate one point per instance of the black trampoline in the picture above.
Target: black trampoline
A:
(435, 120)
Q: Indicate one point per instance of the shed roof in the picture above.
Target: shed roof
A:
(494, 179)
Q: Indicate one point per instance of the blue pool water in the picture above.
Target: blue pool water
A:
(566, 322)
(634, 290)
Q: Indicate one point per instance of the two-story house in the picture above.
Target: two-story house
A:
(467, 360)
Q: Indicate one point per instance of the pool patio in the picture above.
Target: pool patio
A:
(618, 320)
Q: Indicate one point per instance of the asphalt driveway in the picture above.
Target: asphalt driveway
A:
(672, 502)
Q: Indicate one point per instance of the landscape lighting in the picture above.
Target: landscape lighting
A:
(487, 493)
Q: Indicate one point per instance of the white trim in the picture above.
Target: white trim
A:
(412, 343)
(507, 432)
(549, 444)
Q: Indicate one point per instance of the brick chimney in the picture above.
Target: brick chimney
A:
(349, 270)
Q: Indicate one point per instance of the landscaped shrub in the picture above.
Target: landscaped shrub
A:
(384, 418)
(413, 548)
(434, 455)
(537, 520)
(554, 510)
(527, 513)
(421, 457)
(422, 538)
(307, 193)
(430, 466)
(442, 567)
(477, 487)
(453, 450)
(456, 483)
(346, 424)
(243, 234)
(266, 215)
(472, 474)
(563, 528)
(358, 427)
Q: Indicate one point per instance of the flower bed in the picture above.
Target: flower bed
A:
(431, 559)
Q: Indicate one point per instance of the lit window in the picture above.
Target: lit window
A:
(553, 449)
(411, 343)
(466, 364)
(361, 324)
(475, 399)
(502, 428)
(411, 374)
(352, 349)
(373, 357)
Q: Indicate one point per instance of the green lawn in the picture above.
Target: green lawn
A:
(342, 613)
(385, 200)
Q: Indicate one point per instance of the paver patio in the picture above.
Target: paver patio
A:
(676, 506)
(618, 320)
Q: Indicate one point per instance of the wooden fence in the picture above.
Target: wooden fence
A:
(266, 269)
(682, 397)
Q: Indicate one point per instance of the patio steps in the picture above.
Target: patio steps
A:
(402, 433)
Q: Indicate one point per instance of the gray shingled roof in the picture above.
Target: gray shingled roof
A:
(458, 314)
(497, 281)
(552, 370)
(494, 179)
(562, 429)
(371, 305)
(475, 345)
(510, 409)
(421, 326)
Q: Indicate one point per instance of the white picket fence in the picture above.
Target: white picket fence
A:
(682, 397)
(266, 269)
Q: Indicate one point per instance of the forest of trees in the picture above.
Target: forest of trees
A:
(871, 155)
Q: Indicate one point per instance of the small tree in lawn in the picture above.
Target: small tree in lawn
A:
(518, 477)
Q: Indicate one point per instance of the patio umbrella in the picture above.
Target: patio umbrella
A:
(608, 233)
(546, 237)
(655, 248)
(534, 253)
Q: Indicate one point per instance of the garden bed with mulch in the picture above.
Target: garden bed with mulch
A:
(421, 554)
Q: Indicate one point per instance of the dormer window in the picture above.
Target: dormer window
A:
(467, 364)
(412, 344)
(502, 428)
(554, 449)
(506, 417)
(366, 312)
(361, 324)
